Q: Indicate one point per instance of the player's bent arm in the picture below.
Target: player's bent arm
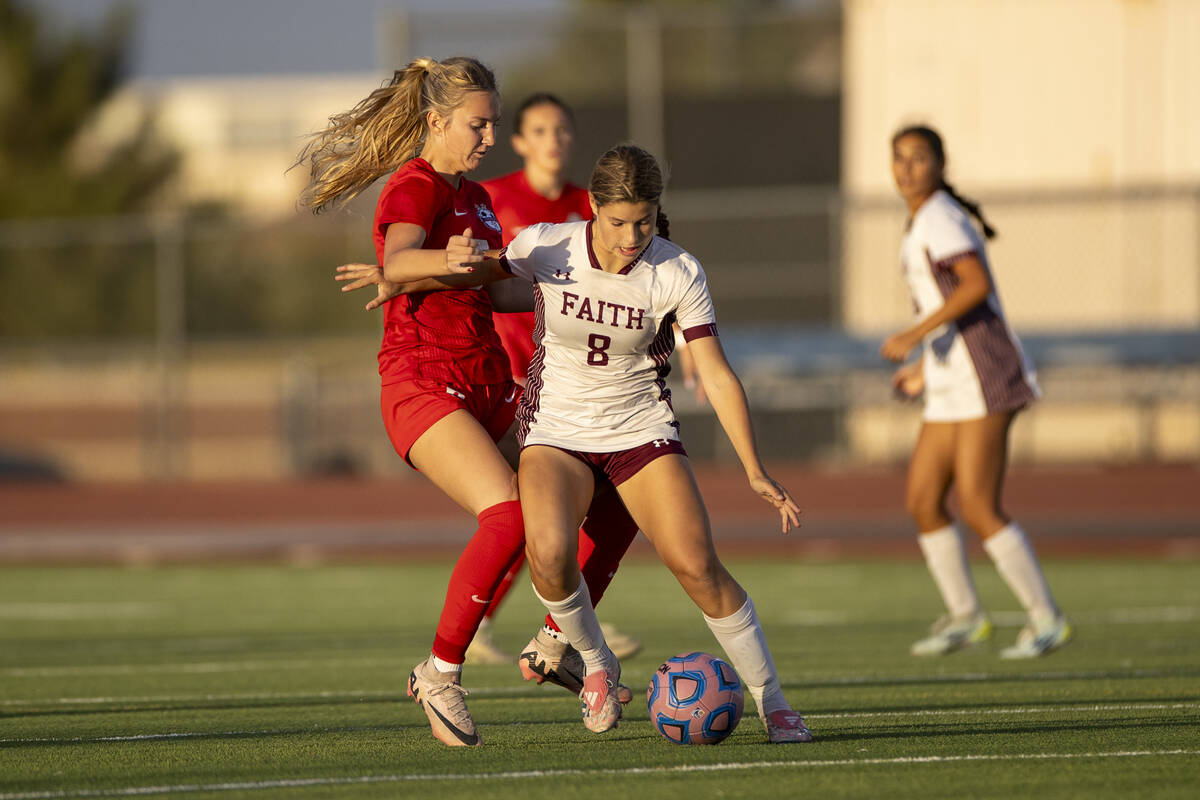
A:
(405, 261)
(974, 285)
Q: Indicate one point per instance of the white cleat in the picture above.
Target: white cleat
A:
(441, 696)
(1039, 639)
(549, 660)
(949, 634)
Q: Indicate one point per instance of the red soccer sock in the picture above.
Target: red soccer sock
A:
(505, 584)
(480, 569)
(607, 533)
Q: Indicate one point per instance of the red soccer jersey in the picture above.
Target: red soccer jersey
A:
(517, 207)
(445, 336)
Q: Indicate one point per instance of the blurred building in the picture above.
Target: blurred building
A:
(1075, 122)
(238, 136)
(232, 356)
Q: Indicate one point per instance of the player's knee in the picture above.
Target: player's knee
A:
(981, 516)
(549, 558)
(696, 573)
(925, 508)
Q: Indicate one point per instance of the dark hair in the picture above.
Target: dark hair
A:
(629, 174)
(540, 99)
(934, 140)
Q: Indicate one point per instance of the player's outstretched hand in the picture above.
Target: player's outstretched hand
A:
(897, 346)
(776, 495)
(463, 253)
(908, 382)
(356, 276)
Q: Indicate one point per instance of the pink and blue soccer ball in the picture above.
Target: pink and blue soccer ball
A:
(695, 698)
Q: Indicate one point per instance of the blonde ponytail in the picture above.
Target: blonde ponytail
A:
(386, 129)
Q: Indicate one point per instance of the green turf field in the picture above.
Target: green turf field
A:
(274, 681)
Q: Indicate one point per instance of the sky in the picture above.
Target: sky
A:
(228, 37)
(232, 37)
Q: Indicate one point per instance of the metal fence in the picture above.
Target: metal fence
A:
(163, 347)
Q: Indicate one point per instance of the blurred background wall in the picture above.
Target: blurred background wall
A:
(167, 313)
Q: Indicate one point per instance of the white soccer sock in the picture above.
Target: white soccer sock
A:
(577, 619)
(444, 666)
(742, 638)
(946, 558)
(1018, 565)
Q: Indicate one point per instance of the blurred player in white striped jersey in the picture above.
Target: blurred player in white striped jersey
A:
(975, 378)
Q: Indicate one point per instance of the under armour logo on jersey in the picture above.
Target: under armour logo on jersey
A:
(562, 273)
(661, 443)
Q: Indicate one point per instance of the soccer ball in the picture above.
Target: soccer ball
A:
(695, 698)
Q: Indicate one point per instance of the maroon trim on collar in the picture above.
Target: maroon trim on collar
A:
(625, 270)
(587, 237)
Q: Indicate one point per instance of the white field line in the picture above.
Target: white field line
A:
(199, 667)
(45, 612)
(1109, 616)
(849, 715)
(533, 693)
(1132, 616)
(243, 786)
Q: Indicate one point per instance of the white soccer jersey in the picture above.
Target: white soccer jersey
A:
(597, 376)
(973, 366)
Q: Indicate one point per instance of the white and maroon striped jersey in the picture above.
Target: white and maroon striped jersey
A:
(973, 366)
(597, 377)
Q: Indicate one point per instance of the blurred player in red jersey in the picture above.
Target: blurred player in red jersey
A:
(975, 378)
(543, 135)
(447, 390)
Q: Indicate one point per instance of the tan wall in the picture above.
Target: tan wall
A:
(1091, 96)
(1028, 93)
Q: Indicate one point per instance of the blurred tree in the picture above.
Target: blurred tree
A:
(51, 88)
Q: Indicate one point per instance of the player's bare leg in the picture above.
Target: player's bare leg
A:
(980, 465)
(930, 473)
(560, 490)
(665, 502)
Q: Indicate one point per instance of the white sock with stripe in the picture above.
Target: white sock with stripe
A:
(576, 618)
(1018, 565)
(742, 638)
(946, 557)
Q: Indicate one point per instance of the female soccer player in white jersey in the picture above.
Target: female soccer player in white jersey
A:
(606, 293)
(447, 394)
(975, 378)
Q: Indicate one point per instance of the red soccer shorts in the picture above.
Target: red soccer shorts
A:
(411, 407)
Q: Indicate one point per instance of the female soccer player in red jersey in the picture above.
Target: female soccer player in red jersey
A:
(543, 135)
(975, 378)
(447, 392)
(607, 293)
